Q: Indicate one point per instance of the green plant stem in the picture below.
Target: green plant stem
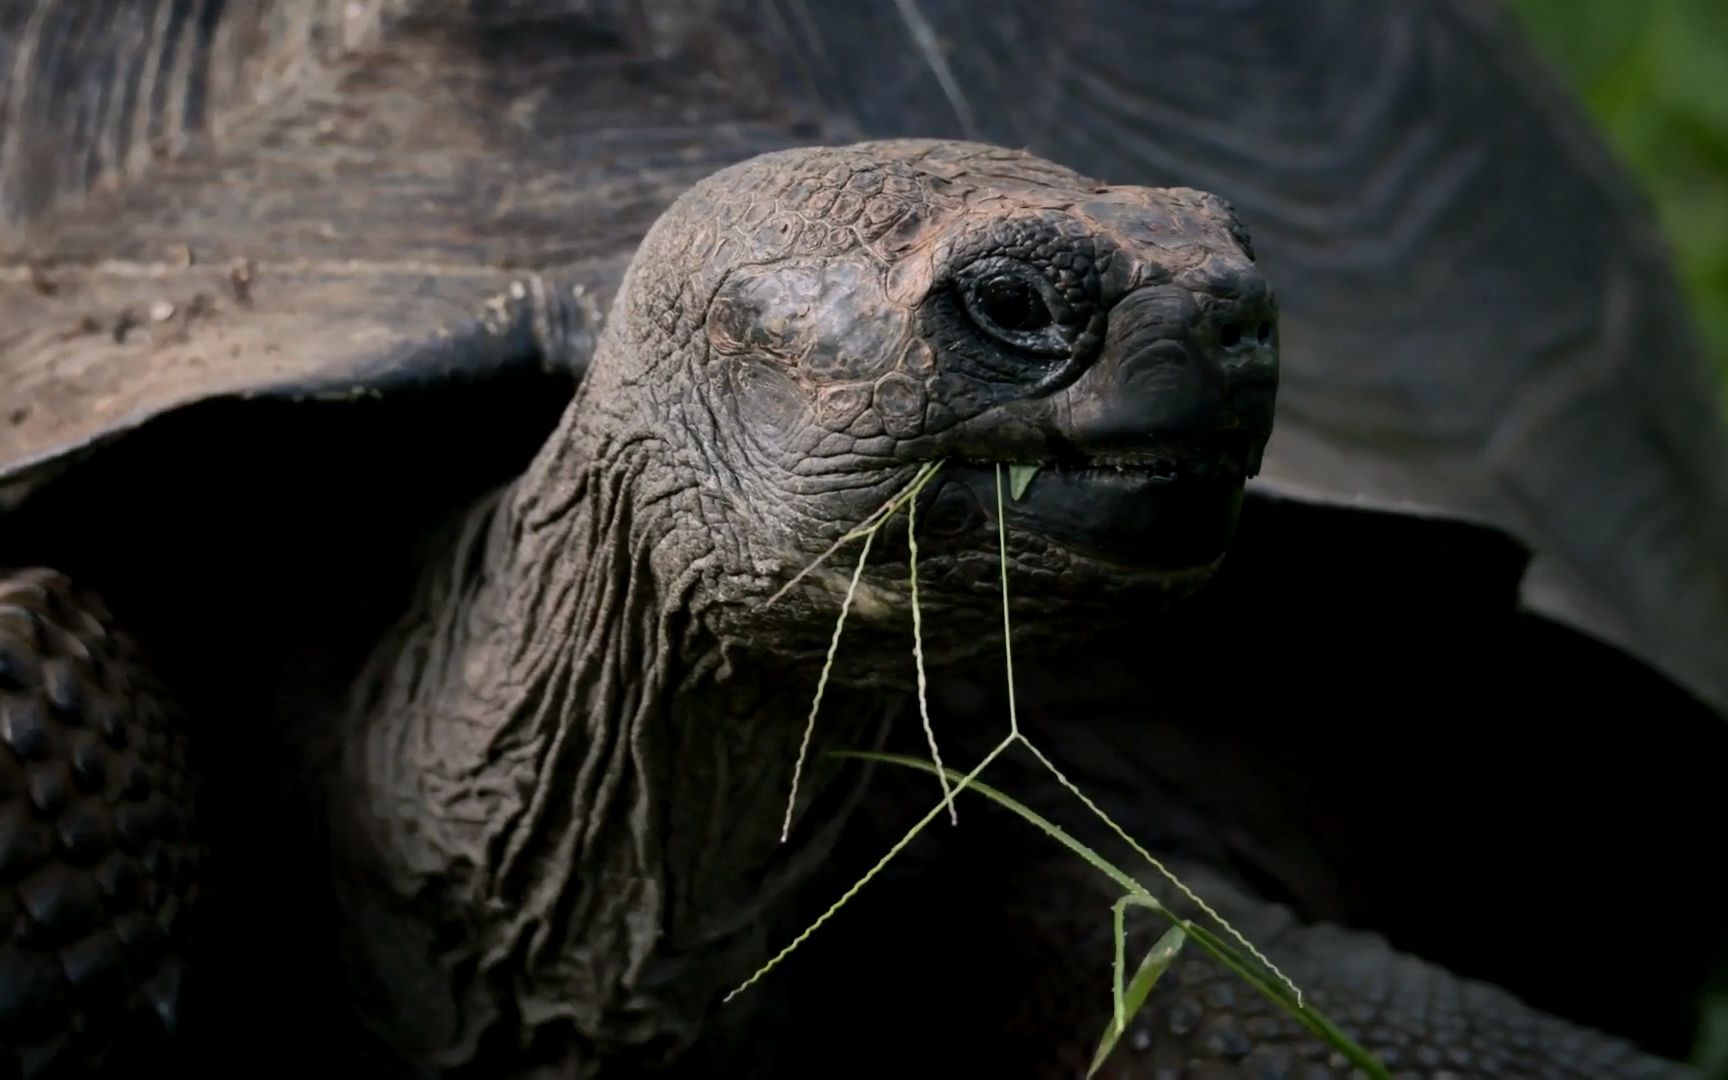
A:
(918, 661)
(858, 886)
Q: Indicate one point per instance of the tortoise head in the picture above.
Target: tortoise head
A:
(812, 326)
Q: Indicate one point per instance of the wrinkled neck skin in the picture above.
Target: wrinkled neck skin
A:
(564, 790)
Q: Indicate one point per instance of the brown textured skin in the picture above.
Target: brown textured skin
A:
(567, 767)
(511, 753)
(98, 865)
(400, 118)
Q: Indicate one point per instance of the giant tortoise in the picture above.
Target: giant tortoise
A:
(412, 406)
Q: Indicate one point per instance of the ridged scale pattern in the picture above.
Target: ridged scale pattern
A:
(97, 867)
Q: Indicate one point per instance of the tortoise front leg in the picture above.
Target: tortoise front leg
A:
(996, 961)
(96, 858)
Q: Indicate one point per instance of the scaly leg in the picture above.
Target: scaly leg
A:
(97, 863)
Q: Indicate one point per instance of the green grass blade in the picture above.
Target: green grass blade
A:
(878, 518)
(822, 686)
(1049, 827)
(1119, 935)
(900, 845)
(1020, 478)
(1157, 962)
(868, 531)
(1164, 871)
(1261, 976)
(1276, 992)
(1007, 629)
(918, 661)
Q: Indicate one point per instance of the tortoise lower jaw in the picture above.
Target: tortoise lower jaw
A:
(1146, 517)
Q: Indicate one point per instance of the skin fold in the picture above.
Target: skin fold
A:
(573, 756)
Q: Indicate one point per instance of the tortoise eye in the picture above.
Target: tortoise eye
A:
(1013, 305)
(1016, 305)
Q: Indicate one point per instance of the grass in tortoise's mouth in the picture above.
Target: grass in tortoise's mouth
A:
(1156, 464)
(1158, 510)
(1166, 469)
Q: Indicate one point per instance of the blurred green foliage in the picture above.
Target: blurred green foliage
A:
(1655, 74)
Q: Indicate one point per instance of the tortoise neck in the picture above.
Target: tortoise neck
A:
(596, 787)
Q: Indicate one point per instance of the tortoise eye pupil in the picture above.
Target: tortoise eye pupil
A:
(1013, 305)
(1016, 305)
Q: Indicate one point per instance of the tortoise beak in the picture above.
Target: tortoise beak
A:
(1148, 450)
(1174, 373)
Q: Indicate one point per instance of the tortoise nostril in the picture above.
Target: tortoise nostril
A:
(1230, 335)
(1265, 333)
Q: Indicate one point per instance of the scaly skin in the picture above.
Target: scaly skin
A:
(557, 813)
(1001, 966)
(564, 781)
(98, 857)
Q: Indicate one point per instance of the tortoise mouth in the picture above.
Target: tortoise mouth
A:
(1162, 510)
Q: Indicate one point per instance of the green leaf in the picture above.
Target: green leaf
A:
(1157, 962)
(1020, 478)
(1276, 993)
